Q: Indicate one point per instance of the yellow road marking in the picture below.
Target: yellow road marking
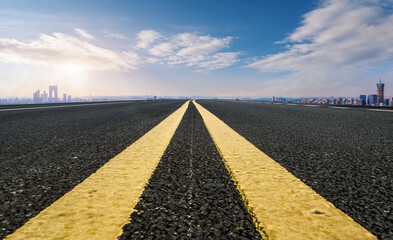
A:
(100, 206)
(286, 207)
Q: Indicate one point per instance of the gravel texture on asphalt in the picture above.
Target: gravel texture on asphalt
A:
(345, 155)
(190, 194)
(44, 153)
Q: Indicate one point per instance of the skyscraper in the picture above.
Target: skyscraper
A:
(380, 90)
(44, 97)
(37, 97)
(362, 99)
(372, 99)
(53, 97)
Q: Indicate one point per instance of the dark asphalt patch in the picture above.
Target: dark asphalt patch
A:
(45, 153)
(344, 155)
(190, 194)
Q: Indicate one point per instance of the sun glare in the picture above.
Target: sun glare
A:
(72, 69)
(75, 75)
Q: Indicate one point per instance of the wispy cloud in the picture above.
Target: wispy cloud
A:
(116, 35)
(203, 52)
(192, 49)
(146, 38)
(340, 37)
(84, 33)
(59, 50)
(217, 61)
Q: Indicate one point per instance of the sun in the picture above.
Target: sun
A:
(73, 74)
(72, 69)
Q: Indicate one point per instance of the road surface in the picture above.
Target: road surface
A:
(209, 171)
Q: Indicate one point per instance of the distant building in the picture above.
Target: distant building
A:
(44, 97)
(37, 97)
(362, 99)
(372, 99)
(380, 92)
(53, 95)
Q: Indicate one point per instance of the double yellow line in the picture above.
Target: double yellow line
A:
(280, 204)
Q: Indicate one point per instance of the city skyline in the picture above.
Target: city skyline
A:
(292, 49)
(373, 99)
(379, 97)
(52, 96)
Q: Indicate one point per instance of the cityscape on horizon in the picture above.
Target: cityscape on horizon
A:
(363, 100)
(53, 97)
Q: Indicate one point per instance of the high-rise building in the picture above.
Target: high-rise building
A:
(50, 94)
(362, 99)
(44, 97)
(37, 97)
(372, 99)
(69, 98)
(53, 96)
(380, 91)
(65, 97)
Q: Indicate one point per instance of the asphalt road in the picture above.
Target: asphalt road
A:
(344, 154)
(190, 194)
(45, 152)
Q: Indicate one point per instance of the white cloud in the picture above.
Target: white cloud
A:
(191, 49)
(338, 38)
(194, 45)
(146, 38)
(116, 35)
(218, 61)
(59, 50)
(153, 60)
(84, 33)
(162, 49)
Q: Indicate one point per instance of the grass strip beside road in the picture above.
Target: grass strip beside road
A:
(285, 206)
(100, 206)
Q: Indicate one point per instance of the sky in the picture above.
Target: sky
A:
(223, 48)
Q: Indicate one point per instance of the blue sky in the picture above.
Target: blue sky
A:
(211, 48)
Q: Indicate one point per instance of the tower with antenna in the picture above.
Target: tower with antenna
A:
(380, 91)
